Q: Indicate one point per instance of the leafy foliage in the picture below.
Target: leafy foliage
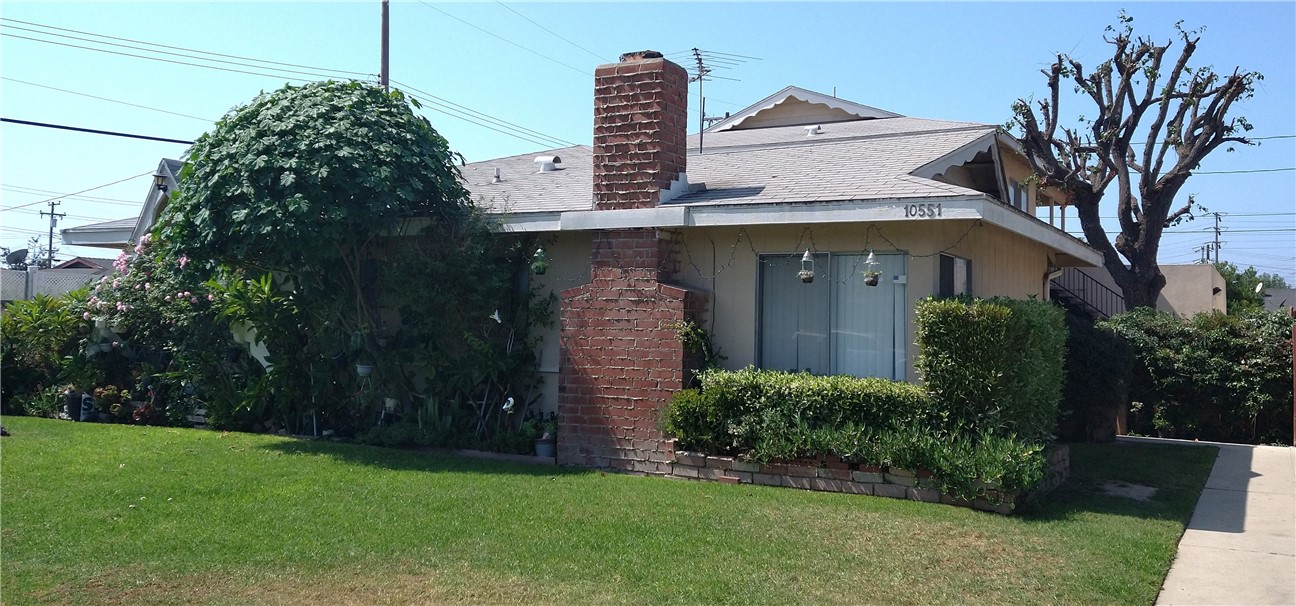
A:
(1153, 123)
(347, 238)
(768, 415)
(1240, 287)
(36, 335)
(1099, 371)
(993, 365)
(1213, 376)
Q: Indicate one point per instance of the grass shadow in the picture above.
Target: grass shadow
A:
(416, 460)
(1177, 472)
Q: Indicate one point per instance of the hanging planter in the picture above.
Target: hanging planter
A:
(871, 275)
(539, 262)
(807, 273)
(363, 369)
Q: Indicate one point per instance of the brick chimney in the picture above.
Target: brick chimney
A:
(640, 131)
(621, 359)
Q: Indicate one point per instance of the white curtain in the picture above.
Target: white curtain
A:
(836, 324)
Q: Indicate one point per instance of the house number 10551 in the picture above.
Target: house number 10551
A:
(922, 211)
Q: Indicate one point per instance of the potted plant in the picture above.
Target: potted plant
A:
(364, 369)
(871, 277)
(546, 445)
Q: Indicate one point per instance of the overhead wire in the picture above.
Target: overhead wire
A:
(149, 172)
(555, 34)
(72, 92)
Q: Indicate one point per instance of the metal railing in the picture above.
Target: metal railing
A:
(1089, 293)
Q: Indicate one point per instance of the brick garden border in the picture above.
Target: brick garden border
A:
(831, 474)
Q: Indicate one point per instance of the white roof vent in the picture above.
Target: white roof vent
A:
(813, 130)
(497, 178)
(547, 163)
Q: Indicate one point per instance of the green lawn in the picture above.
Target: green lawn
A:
(129, 515)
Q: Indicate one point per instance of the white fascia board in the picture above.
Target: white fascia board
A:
(661, 216)
(957, 157)
(895, 209)
(1029, 227)
(102, 238)
(530, 222)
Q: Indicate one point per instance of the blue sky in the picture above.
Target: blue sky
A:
(531, 64)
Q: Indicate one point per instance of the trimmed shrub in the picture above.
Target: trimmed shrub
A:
(1099, 369)
(1212, 376)
(773, 414)
(993, 366)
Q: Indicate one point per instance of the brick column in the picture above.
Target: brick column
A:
(621, 359)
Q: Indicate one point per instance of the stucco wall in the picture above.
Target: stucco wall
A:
(569, 265)
(1192, 289)
(721, 261)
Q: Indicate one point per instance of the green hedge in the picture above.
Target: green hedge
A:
(771, 414)
(1210, 377)
(766, 415)
(1099, 371)
(993, 366)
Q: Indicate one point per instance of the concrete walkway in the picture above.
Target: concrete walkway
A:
(1240, 546)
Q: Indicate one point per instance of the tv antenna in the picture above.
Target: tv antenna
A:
(706, 63)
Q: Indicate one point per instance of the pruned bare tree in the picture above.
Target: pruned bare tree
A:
(1154, 124)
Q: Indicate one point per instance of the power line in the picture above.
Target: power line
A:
(493, 35)
(101, 50)
(94, 131)
(434, 99)
(72, 92)
(430, 98)
(345, 75)
(79, 192)
(556, 35)
(32, 191)
(1240, 172)
(192, 50)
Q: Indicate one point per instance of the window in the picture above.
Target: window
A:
(1017, 195)
(955, 276)
(836, 324)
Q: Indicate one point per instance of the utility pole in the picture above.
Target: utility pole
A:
(54, 217)
(384, 74)
(1217, 235)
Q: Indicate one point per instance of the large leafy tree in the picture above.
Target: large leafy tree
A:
(306, 181)
(341, 215)
(1155, 118)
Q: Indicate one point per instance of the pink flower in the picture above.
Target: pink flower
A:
(147, 285)
(193, 300)
(168, 297)
(186, 293)
(184, 259)
(85, 316)
(211, 297)
(116, 344)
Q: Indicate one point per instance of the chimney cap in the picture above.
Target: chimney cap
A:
(639, 55)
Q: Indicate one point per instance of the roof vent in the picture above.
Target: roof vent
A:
(813, 130)
(547, 163)
(497, 178)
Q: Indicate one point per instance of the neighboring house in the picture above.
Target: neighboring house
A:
(651, 227)
(122, 233)
(1279, 298)
(94, 263)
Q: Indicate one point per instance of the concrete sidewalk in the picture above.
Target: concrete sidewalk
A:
(1240, 546)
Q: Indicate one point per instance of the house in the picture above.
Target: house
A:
(799, 232)
(122, 233)
(651, 227)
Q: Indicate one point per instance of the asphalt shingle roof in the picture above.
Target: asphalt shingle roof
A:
(860, 160)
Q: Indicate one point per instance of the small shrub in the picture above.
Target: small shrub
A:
(993, 365)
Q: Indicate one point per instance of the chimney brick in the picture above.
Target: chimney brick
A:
(640, 130)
